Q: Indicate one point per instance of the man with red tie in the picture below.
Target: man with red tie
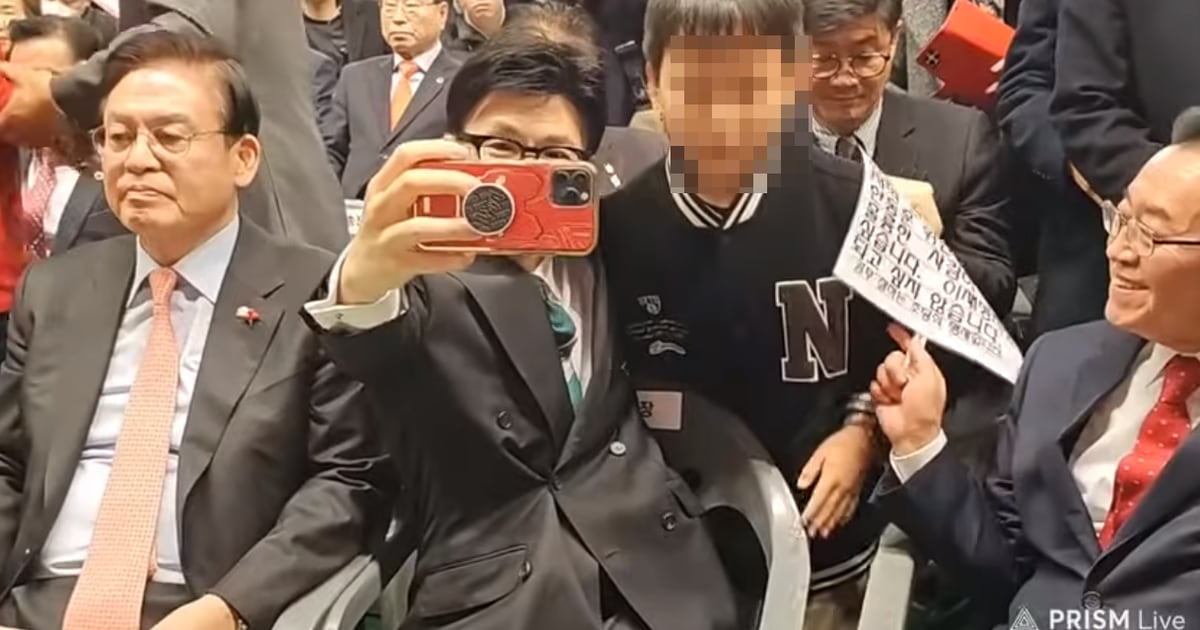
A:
(1093, 514)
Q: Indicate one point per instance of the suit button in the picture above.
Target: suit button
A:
(555, 483)
(525, 571)
(27, 551)
(617, 448)
(503, 420)
(625, 367)
(1092, 601)
(669, 521)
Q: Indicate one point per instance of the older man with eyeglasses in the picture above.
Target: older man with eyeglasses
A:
(1093, 508)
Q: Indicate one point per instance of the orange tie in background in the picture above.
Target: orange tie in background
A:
(120, 560)
(403, 92)
(1165, 428)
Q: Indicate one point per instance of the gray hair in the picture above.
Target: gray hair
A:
(824, 16)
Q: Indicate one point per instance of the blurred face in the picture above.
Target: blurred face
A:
(481, 11)
(10, 11)
(510, 125)
(724, 100)
(170, 172)
(1154, 255)
(411, 27)
(51, 54)
(851, 66)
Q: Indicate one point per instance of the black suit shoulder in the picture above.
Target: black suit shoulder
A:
(933, 113)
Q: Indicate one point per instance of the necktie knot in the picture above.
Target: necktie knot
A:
(408, 68)
(1181, 379)
(561, 323)
(847, 148)
(162, 284)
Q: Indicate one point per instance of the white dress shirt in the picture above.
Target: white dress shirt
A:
(867, 133)
(1109, 435)
(65, 178)
(201, 274)
(571, 279)
(424, 61)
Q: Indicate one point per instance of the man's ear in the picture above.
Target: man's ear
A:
(247, 153)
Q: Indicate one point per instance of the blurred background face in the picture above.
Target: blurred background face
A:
(52, 54)
(168, 167)
(724, 99)
(483, 14)
(851, 67)
(411, 27)
(1157, 296)
(10, 11)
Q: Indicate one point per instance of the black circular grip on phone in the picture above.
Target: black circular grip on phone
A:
(488, 209)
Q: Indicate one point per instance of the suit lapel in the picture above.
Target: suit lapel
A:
(90, 330)
(511, 301)
(894, 151)
(232, 353)
(430, 86)
(596, 396)
(79, 206)
(1106, 365)
(379, 97)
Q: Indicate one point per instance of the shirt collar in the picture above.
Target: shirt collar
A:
(1159, 355)
(202, 268)
(424, 60)
(701, 214)
(866, 135)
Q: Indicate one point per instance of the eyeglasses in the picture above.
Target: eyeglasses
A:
(862, 65)
(119, 141)
(496, 148)
(1139, 237)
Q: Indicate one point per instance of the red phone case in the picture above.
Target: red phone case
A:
(963, 52)
(535, 224)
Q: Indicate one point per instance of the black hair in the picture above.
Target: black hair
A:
(143, 50)
(545, 49)
(824, 16)
(667, 18)
(83, 39)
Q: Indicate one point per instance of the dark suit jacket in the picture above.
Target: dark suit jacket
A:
(325, 78)
(518, 538)
(1024, 537)
(1123, 79)
(277, 465)
(629, 152)
(1072, 271)
(357, 138)
(957, 150)
(294, 193)
(364, 37)
(86, 217)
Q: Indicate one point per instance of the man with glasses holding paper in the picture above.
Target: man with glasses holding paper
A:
(1093, 508)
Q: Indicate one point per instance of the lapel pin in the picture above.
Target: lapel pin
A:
(440, 80)
(248, 315)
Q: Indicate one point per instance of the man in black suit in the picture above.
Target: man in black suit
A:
(539, 497)
(1093, 509)
(1072, 273)
(384, 101)
(148, 380)
(324, 77)
(62, 184)
(1123, 78)
(344, 30)
(953, 148)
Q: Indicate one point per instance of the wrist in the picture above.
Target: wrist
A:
(915, 441)
(355, 282)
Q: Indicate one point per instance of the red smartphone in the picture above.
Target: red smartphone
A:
(520, 207)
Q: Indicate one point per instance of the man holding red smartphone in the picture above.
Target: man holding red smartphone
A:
(538, 497)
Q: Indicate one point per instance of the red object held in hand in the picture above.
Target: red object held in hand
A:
(13, 254)
(963, 52)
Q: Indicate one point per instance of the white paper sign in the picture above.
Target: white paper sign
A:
(892, 258)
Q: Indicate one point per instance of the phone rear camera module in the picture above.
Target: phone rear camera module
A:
(571, 187)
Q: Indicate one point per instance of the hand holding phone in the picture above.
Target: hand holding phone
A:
(386, 252)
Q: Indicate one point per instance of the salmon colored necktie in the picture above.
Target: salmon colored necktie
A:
(1165, 428)
(120, 559)
(402, 95)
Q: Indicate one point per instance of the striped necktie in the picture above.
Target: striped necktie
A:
(566, 335)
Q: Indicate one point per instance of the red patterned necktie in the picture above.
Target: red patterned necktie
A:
(35, 201)
(121, 558)
(1165, 428)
